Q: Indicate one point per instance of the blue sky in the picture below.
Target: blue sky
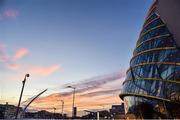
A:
(76, 39)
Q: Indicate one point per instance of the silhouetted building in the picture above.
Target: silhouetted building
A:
(8, 111)
(117, 111)
(43, 115)
(103, 114)
(90, 115)
(152, 85)
(2, 111)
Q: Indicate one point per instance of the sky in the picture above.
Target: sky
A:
(67, 42)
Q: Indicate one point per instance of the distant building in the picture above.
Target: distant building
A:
(2, 111)
(152, 86)
(90, 115)
(8, 111)
(103, 114)
(43, 115)
(117, 111)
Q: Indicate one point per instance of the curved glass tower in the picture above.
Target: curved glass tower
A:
(152, 85)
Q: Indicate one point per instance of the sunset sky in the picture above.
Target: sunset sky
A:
(84, 43)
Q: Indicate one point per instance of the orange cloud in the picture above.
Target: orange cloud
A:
(81, 102)
(93, 93)
(20, 53)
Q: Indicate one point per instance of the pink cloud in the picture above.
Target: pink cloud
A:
(10, 63)
(44, 70)
(11, 13)
(20, 53)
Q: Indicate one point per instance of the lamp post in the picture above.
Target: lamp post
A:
(54, 112)
(24, 81)
(73, 99)
(62, 106)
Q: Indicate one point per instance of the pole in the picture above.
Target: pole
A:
(73, 103)
(62, 106)
(73, 99)
(54, 112)
(97, 115)
(24, 81)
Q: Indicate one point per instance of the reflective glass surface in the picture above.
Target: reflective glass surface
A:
(153, 79)
(150, 109)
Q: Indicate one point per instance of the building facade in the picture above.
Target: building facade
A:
(152, 85)
(117, 111)
(8, 111)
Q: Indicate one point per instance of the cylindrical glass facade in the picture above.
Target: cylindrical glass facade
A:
(153, 79)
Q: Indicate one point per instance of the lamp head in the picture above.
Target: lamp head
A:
(27, 75)
(69, 86)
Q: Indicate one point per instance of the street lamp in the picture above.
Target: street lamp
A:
(73, 99)
(54, 111)
(62, 106)
(24, 81)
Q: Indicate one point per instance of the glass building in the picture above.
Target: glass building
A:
(152, 85)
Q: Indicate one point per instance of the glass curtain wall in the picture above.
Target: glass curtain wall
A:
(153, 79)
